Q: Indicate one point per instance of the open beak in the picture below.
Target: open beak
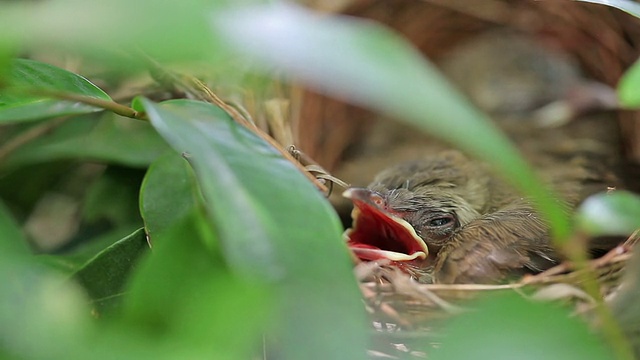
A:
(378, 234)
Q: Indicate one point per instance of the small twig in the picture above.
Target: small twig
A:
(408, 286)
(380, 355)
(366, 269)
(617, 254)
(314, 168)
(461, 287)
(547, 274)
(385, 308)
(471, 287)
(88, 100)
(561, 291)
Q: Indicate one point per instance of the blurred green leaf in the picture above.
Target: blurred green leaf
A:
(369, 65)
(117, 31)
(112, 139)
(629, 86)
(41, 315)
(168, 193)
(7, 56)
(274, 226)
(18, 102)
(136, 104)
(616, 213)
(184, 295)
(510, 327)
(104, 276)
(628, 6)
(12, 240)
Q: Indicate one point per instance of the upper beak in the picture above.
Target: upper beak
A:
(377, 233)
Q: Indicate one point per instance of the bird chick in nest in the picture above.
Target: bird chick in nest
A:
(448, 216)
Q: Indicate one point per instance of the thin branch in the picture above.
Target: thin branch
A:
(100, 103)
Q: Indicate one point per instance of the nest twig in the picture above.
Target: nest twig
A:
(398, 305)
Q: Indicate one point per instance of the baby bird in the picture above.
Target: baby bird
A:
(476, 228)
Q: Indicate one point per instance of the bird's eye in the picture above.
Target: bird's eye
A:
(441, 221)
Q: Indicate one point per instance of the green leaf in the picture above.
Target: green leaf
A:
(369, 65)
(136, 104)
(274, 227)
(628, 6)
(72, 260)
(111, 138)
(169, 192)
(629, 86)
(104, 276)
(20, 102)
(12, 240)
(114, 31)
(617, 213)
(41, 315)
(184, 295)
(510, 327)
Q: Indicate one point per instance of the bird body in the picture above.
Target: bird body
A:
(476, 227)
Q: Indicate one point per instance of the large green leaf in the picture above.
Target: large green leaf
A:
(193, 294)
(367, 64)
(195, 300)
(116, 31)
(274, 226)
(110, 138)
(509, 327)
(184, 296)
(41, 315)
(18, 102)
(104, 276)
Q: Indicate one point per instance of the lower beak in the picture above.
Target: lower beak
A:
(378, 234)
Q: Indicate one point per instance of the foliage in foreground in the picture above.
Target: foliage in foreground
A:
(246, 253)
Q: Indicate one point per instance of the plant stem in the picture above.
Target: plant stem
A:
(103, 104)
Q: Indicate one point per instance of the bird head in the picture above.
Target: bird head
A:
(378, 232)
(415, 207)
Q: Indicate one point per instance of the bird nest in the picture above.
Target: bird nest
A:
(604, 41)
(406, 315)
